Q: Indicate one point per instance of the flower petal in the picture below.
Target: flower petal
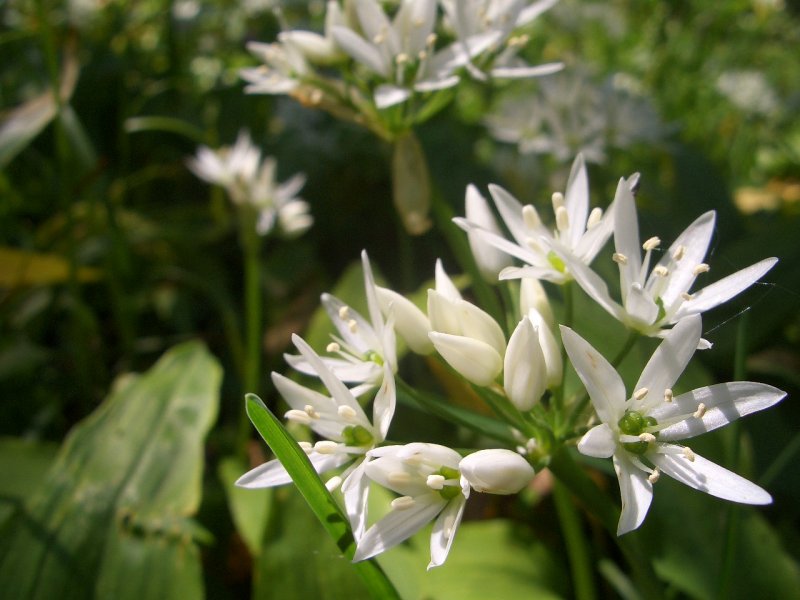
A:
(410, 322)
(361, 50)
(626, 234)
(384, 404)
(576, 200)
(636, 493)
(602, 381)
(725, 289)
(444, 530)
(273, 473)
(708, 477)
(599, 442)
(398, 526)
(670, 359)
(723, 402)
(475, 360)
(355, 490)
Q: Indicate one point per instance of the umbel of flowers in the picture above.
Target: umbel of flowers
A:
(515, 366)
(391, 66)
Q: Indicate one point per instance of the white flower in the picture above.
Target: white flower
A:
(430, 486)
(319, 49)
(400, 51)
(496, 471)
(339, 419)
(249, 181)
(580, 232)
(366, 349)
(637, 429)
(283, 68)
(657, 298)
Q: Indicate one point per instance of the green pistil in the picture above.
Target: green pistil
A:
(373, 356)
(356, 435)
(634, 423)
(449, 492)
(662, 312)
(556, 262)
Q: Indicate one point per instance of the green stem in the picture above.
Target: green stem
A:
(558, 396)
(251, 245)
(732, 512)
(577, 548)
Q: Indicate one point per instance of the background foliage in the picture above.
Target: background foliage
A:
(113, 254)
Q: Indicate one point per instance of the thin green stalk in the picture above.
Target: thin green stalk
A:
(251, 246)
(577, 548)
(733, 517)
(558, 396)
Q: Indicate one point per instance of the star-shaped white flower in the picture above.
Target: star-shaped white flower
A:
(655, 299)
(579, 232)
(364, 348)
(638, 429)
(339, 419)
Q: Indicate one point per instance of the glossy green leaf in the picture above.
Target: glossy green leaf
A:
(317, 496)
(113, 516)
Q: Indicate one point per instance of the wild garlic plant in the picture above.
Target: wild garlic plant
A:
(390, 67)
(520, 368)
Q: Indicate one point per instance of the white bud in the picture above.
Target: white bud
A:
(524, 369)
(533, 295)
(496, 471)
(475, 360)
(409, 321)
(550, 348)
(489, 259)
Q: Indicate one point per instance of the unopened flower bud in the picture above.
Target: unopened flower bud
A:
(496, 471)
(524, 369)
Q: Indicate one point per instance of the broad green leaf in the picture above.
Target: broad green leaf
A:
(317, 496)
(249, 508)
(23, 465)
(113, 516)
(21, 268)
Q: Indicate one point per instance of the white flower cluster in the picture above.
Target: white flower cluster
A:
(252, 182)
(521, 374)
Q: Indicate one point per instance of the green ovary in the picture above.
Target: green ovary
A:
(356, 435)
(449, 492)
(556, 262)
(635, 423)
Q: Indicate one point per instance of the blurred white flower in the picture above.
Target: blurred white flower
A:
(748, 90)
(637, 429)
(251, 181)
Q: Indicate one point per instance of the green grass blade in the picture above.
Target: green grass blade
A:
(319, 499)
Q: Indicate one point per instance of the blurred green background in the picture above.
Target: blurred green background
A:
(115, 259)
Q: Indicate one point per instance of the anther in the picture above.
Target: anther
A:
(311, 411)
(594, 217)
(668, 395)
(435, 481)
(333, 348)
(680, 251)
(402, 58)
(647, 437)
(530, 217)
(653, 477)
(640, 393)
(344, 313)
(297, 416)
(701, 268)
(562, 218)
(402, 503)
(558, 200)
(619, 258)
(306, 447)
(346, 412)
(431, 39)
(652, 243)
(533, 244)
(687, 296)
(688, 454)
(333, 483)
(661, 271)
(352, 325)
(325, 447)
(701, 410)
